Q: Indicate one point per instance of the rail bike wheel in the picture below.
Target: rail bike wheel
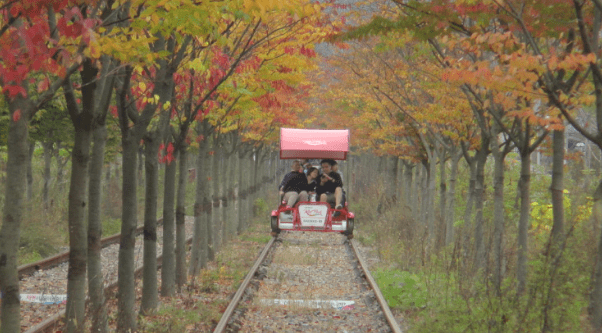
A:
(349, 229)
(274, 225)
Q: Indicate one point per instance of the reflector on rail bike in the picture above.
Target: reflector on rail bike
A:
(312, 215)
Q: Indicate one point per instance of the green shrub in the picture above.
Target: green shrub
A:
(111, 227)
(260, 207)
(402, 289)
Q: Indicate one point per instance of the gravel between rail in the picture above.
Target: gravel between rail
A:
(294, 288)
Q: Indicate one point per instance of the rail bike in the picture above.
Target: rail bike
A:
(313, 215)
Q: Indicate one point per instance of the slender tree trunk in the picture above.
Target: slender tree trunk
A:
(557, 186)
(126, 316)
(11, 222)
(244, 193)
(424, 178)
(432, 189)
(61, 162)
(391, 182)
(479, 198)
(442, 191)
(238, 192)
(253, 161)
(523, 222)
(47, 176)
(216, 177)
(212, 211)
(198, 257)
(168, 268)
(470, 201)
(32, 147)
(229, 197)
(226, 189)
(96, 306)
(232, 198)
(78, 190)
(150, 297)
(408, 194)
(181, 217)
(450, 216)
(498, 213)
(595, 301)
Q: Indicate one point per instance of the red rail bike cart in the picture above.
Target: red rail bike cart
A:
(312, 215)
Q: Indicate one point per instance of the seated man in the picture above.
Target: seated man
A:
(296, 189)
(295, 170)
(330, 186)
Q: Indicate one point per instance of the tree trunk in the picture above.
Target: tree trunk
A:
(408, 194)
(480, 254)
(451, 194)
(229, 202)
(243, 178)
(254, 162)
(168, 268)
(432, 189)
(424, 178)
(47, 177)
(78, 190)
(217, 177)
(498, 214)
(198, 256)
(11, 222)
(442, 191)
(523, 222)
(237, 192)
(391, 181)
(78, 244)
(211, 231)
(595, 301)
(226, 188)
(150, 297)
(233, 215)
(126, 316)
(32, 147)
(557, 186)
(181, 217)
(96, 306)
(469, 206)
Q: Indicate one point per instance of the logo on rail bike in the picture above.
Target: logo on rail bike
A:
(313, 215)
(313, 212)
(314, 142)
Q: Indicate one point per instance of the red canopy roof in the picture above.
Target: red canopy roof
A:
(313, 143)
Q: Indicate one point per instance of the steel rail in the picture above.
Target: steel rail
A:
(221, 325)
(379, 296)
(62, 257)
(53, 321)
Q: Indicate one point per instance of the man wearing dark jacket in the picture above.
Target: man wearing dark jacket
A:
(330, 185)
(296, 189)
(295, 170)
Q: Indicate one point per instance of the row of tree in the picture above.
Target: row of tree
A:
(220, 75)
(432, 83)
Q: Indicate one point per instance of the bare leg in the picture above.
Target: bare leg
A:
(338, 196)
(303, 196)
(323, 197)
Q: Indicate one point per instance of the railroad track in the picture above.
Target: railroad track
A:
(309, 282)
(46, 280)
